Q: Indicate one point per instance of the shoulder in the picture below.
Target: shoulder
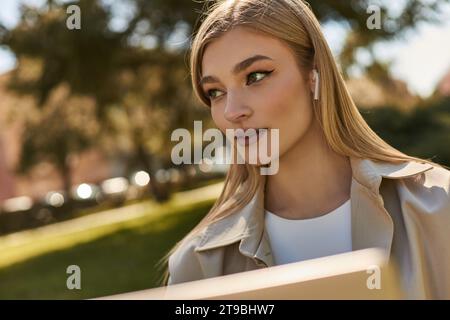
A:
(428, 191)
(416, 182)
(184, 264)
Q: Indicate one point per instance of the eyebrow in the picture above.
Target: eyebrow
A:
(237, 68)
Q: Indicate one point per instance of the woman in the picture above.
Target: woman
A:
(339, 187)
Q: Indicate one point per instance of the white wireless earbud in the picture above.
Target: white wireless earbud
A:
(316, 84)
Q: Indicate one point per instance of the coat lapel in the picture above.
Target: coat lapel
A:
(372, 225)
(246, 227)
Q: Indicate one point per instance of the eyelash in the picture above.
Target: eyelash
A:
(267, 73)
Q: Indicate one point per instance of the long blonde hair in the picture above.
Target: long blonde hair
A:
(345, 130)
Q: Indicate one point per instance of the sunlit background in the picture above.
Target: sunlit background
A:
(86, 115)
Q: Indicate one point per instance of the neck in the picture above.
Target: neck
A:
(312, 179)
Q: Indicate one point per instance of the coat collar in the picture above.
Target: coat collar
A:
(372, 226)
(369, 173)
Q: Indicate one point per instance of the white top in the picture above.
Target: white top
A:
(295, 240)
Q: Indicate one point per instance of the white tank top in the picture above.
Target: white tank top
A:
(295, 240)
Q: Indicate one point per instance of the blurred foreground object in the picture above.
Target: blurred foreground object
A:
(360, 274)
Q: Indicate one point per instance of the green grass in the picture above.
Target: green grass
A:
(115, 258)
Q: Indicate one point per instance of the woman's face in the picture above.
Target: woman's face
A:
(268, 92)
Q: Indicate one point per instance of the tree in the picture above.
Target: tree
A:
(63, 128)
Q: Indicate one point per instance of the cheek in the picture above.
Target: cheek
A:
(288, 107)
(286, 102)
(219, 119)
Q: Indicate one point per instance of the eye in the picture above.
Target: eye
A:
(257, 76)
(253, 77)
(210, 94)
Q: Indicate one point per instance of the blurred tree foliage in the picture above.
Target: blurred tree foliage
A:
(141, 93)
(397, 19)
(129, 57)
(48, 136)
(423, 131)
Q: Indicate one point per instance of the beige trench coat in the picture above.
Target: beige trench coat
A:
(402, 208)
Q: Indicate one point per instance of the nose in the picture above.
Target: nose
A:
(235, 110)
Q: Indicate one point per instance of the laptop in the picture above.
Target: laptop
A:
(360, 274)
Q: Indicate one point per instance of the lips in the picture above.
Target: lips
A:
(248, 136)
(250, 132)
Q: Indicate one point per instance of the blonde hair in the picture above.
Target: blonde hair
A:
(345, 130)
